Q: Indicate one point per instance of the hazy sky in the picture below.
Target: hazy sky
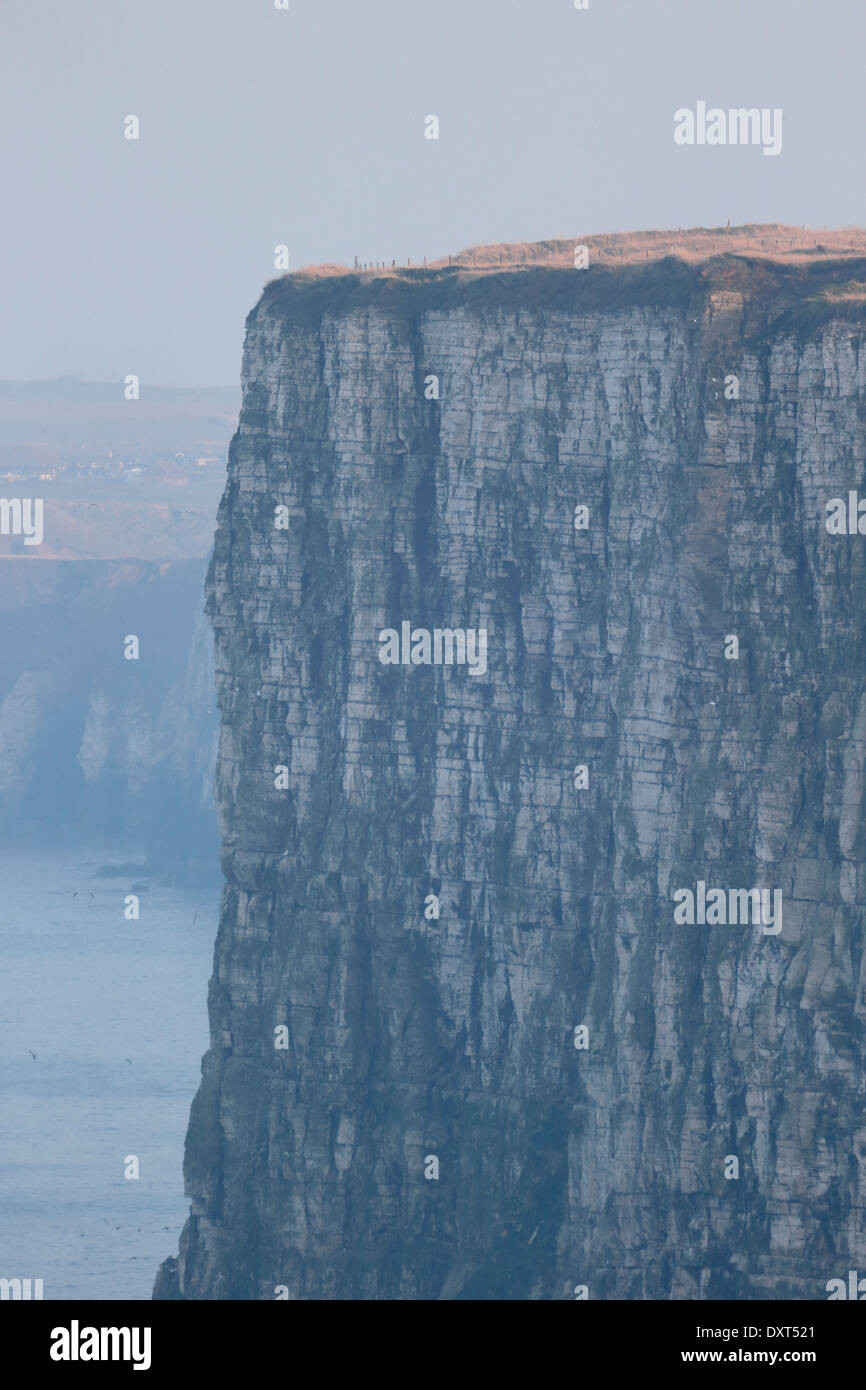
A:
(306, 127)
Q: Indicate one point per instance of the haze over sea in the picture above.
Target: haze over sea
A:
(85, 989)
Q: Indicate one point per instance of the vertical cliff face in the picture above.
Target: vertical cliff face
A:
(601, 1157)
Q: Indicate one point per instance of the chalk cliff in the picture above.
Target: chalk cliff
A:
(431, 433)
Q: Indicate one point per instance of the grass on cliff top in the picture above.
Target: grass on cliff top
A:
(779, 267)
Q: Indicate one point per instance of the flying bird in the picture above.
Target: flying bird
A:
(32, 1054)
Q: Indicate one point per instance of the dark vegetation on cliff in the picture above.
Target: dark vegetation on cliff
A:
(807, 275)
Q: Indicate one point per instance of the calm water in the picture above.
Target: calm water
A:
(85, 989)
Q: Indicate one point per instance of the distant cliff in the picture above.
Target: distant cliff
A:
(96, 749)
(466, 1042)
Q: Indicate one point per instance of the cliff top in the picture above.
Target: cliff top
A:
(775, 265)
(766, 241)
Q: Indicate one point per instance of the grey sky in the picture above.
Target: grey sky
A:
(260, 126)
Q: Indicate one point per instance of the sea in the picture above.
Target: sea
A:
(103, 1023)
